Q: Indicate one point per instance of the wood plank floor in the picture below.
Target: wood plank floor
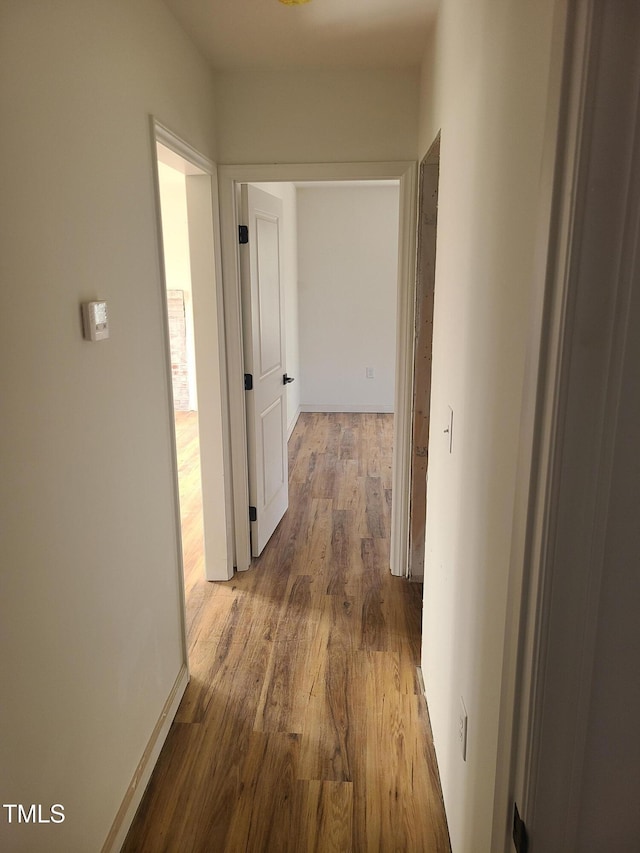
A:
(302, 728)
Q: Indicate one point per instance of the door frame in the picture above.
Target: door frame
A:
(219, 562)
(570, 489)
(521, 666)
(559, 520)
(425, 286)
(229, 177)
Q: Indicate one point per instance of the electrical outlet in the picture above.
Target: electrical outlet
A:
(462, 729)
(370, 373)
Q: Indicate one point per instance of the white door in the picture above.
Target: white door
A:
(264, 360)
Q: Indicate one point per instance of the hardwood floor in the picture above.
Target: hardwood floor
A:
(302, 728)
(188, 447)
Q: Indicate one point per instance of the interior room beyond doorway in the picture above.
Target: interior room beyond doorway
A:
(180, 328)
(340, 267)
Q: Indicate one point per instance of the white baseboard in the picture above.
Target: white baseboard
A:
(132, 798)
(293, 423)
(345, 407)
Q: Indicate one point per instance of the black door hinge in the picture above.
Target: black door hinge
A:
(248, 382)
(520, 837)
(243, 234)
(253, 513)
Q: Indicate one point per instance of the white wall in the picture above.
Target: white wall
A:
(287, 192)
(177, 266)
(91, 637)
(306, 116)
(484, 85)
(348, 266)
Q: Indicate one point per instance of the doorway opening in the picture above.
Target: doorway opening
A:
(230, 179)
(334, 313)
(194, 334)
(422, 350)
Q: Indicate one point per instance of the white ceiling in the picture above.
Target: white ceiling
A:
(321, 33)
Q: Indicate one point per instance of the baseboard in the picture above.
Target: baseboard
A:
(127, 811)
(345, 407)
(293, 423)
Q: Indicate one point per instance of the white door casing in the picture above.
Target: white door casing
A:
(230, 177)
(264, 359)
(210, 349)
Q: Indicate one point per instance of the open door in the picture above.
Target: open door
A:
(264, 360)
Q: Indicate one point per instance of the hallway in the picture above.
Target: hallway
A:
(302, 728)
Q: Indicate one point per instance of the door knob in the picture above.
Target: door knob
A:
(287, 379)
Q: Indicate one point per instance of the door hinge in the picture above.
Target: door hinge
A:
(243, 234)
(248, 382)
(520, 837)
(253, 513)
